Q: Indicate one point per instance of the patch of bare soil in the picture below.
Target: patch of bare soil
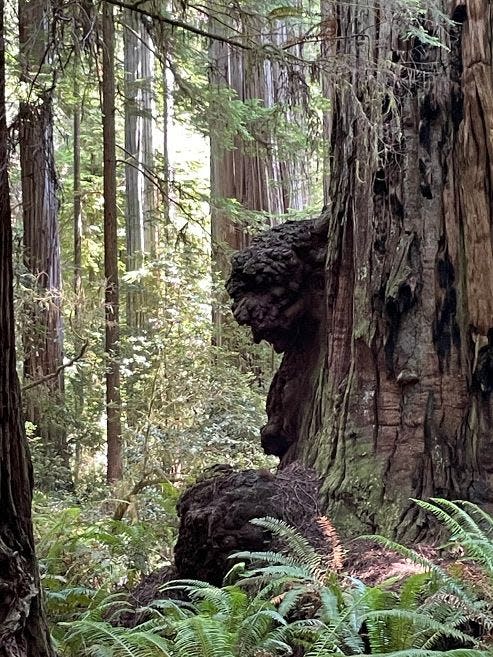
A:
(373, 564)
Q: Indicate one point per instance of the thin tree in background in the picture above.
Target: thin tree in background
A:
(114, 470)
(23, 628)
(43, 334)
(140, 190)
(149, 197)
(77, 244)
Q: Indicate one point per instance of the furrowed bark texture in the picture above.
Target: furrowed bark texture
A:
(43, 334)
(259, 176)
(23, 629)
(392, 397)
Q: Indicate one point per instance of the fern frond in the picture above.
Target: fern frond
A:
(446, 580)
(298, 546)
(475, 510)
(422, 622)
(254, 629)
(123, 642)
(202, 592)
(466, 520)
(295, 573)
(477, 543)
(289, 600)
(268, 557)
(202, 637)
(447, 519)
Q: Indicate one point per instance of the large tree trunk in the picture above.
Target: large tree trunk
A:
(114, 471)
(43, 334)
(386, 379)
(23, 629)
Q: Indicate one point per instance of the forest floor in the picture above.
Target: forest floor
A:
(373, 564)
(364, 560)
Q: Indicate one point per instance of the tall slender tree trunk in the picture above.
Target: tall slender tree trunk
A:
(149, 196)
(77, 279)
(23, 628)
(112, 300)
(328, 42)
(386, 387)
(140, 190)
(167, 100)
(133, 135)
(43, 335)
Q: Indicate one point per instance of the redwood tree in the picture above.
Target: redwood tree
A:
(23, 629)
(255, 174)
(140, 194)
(43, 335)
(259, 174)
(385, 386)
(112, 294)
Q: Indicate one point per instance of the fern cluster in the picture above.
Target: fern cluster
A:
(293, 602)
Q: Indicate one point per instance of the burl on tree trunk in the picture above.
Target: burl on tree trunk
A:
(385, 384)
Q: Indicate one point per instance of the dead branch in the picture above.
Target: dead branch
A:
(123, 505)
(54, 374)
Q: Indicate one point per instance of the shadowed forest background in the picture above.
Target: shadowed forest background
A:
(319, 172)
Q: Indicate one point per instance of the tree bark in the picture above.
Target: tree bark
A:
(254, 174)
(134, 217)
(23, 628)
(43, 334)
(149, 195)
(140, 192)
(77, 383)
(385, 385)
(114, 470)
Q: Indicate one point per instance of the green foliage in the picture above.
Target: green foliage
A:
(429, 609)
(469, 526)
(83, 554)
(292, 603)
(299, 564)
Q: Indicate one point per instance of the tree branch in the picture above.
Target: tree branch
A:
(180, 24)
(137, 488)
(54, 374)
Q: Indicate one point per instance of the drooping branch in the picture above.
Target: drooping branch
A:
(175, 23)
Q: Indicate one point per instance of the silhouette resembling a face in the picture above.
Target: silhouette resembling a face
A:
(271, 282)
